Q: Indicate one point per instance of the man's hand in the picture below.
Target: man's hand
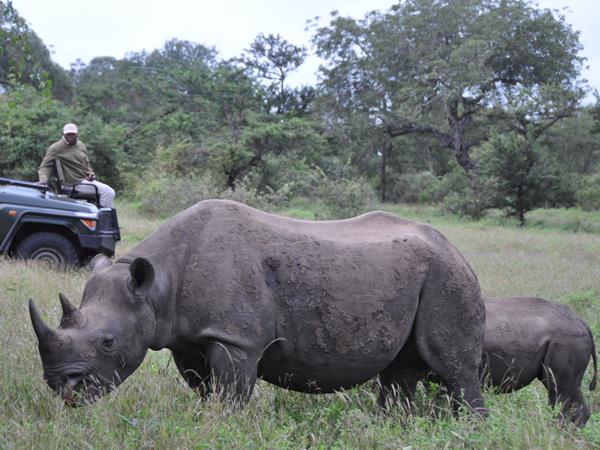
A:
(41, 183)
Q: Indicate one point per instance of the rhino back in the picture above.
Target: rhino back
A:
(529, 319)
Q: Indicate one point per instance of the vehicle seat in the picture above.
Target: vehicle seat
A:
(79, 191)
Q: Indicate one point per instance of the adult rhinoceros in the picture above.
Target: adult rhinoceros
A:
(236, 294)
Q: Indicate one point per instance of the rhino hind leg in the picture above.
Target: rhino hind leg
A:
(449, 331)
(563, 370)
(398, 381)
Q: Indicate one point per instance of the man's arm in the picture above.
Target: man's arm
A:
(91, 175)
(47, 165)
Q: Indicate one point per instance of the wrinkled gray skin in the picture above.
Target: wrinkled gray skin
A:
(236, 294)
(528, 338)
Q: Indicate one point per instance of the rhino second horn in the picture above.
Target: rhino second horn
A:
(67, 306)
(43, 332)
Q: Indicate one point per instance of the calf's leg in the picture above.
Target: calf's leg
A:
(563, 369)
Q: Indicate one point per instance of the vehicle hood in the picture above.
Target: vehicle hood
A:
(23, 196)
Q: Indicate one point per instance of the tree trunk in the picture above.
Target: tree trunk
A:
(520, 205)
(521, 217)
(386, 148)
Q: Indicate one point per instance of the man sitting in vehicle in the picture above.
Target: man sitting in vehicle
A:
(76, 168)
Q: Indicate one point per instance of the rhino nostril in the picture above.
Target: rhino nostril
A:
(73, 379)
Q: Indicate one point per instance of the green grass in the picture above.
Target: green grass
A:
(155, 409)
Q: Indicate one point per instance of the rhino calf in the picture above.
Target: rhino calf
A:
(528, 338)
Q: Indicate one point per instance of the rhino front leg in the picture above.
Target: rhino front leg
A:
(193, 367)
(232, 371)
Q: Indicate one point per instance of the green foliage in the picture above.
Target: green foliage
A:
(177, 93)
(24, 59)
(436, 67)
(30, 122)
(422, 187)
(475, 195)
(521, 179)
(166, 196)
(342, 197)
(588, 192)
(271, 58)
(271, 151)
(406, 104)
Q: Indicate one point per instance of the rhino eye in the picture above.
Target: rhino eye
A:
(108, 343)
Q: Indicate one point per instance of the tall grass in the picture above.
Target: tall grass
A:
(155, 409)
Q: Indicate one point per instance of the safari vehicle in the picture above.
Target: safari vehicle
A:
(63, 228)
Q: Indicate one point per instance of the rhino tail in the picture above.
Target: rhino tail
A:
(595, 376)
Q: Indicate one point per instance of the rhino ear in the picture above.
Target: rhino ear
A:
(142, 276)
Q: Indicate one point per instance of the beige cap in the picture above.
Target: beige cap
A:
(70, 128)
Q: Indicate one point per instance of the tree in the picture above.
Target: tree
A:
(573, 144)
(271, 59)
(24, 59)
(160, 97)
(522, 178)
(440, 68)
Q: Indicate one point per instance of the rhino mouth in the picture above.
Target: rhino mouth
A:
(79, 388)
(72, 388)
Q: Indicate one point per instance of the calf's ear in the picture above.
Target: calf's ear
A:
(142, 276)
(99, 262)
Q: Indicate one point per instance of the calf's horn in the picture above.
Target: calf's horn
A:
(43, 332)
(67, 307)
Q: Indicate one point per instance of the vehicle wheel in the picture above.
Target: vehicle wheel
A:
(52, 248)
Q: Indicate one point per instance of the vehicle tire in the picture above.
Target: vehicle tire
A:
(49, 247)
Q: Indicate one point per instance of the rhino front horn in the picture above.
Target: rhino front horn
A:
(67, 307)
(43, 332)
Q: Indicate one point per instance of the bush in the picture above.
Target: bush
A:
(167, 196)
(422, 187)
(454, 181)
(342, 197)
(473, 200)
(587, 194)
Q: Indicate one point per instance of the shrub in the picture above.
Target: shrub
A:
(342, 197)
(454, 181)
(422, 187)
(587, 194)
(167, 196)
(473, 200)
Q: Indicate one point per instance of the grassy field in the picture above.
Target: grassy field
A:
(155, 409)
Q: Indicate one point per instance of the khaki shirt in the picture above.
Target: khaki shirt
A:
(74, 160)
